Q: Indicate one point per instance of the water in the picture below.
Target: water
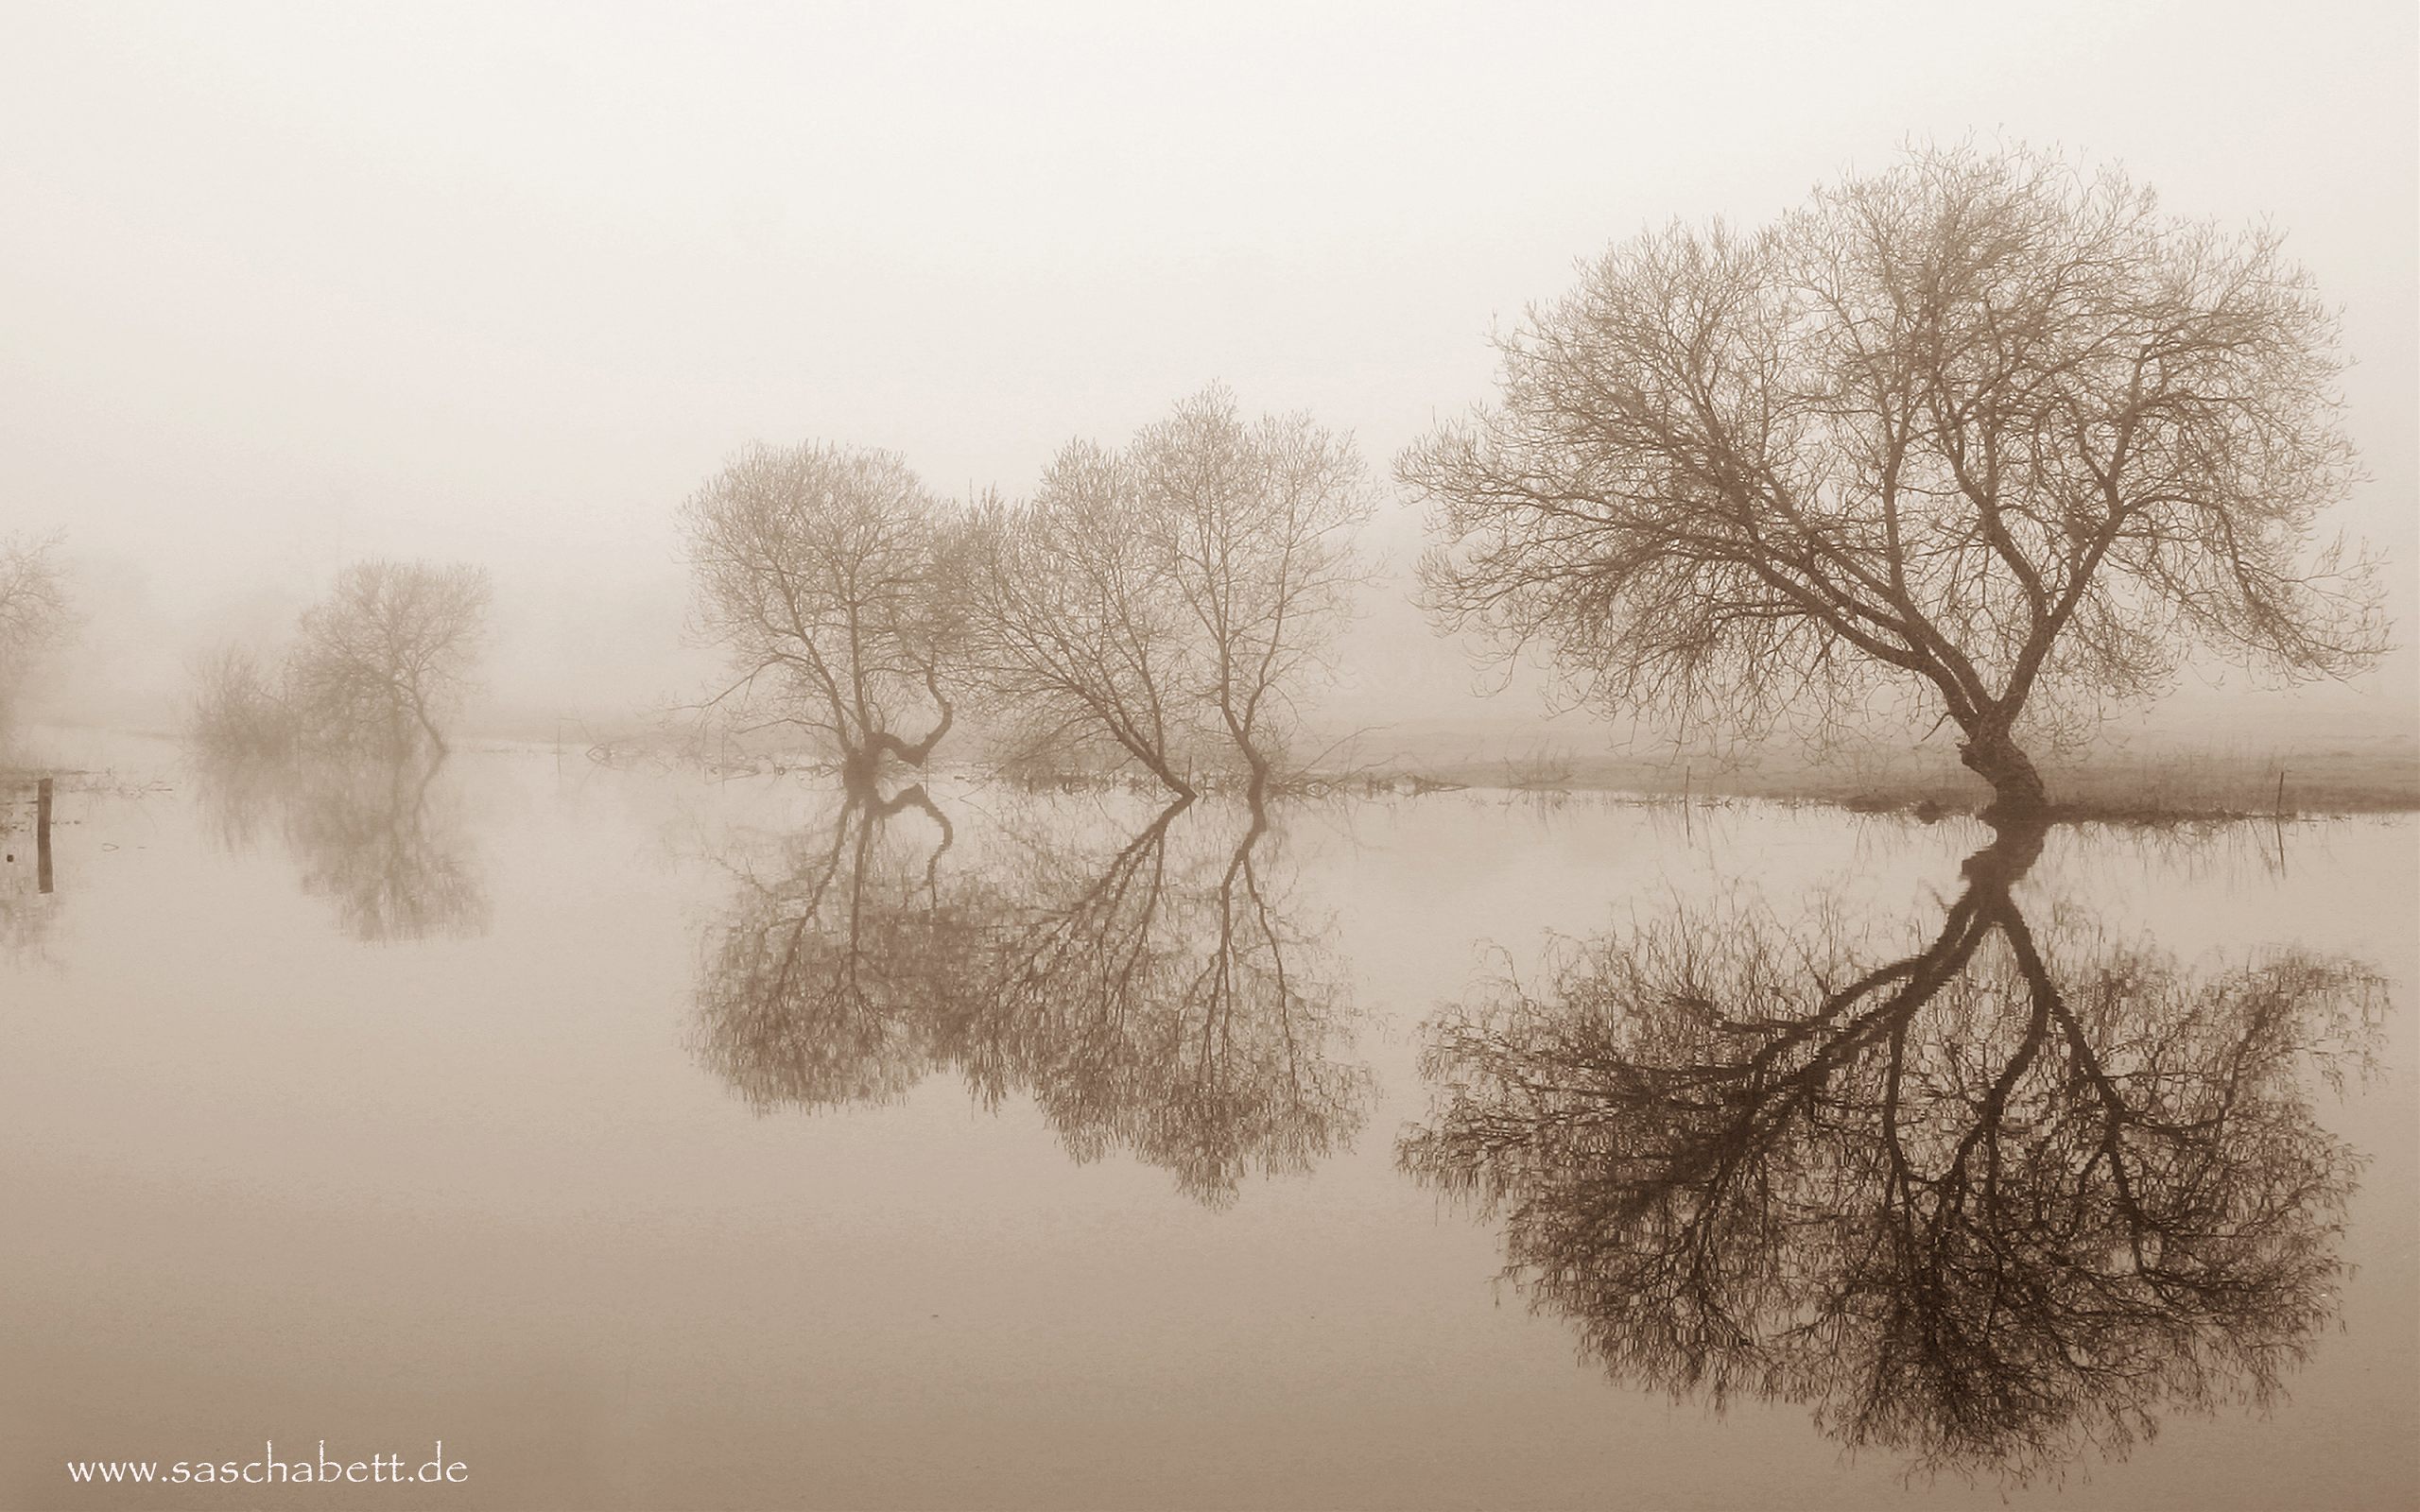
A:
(659, 1141)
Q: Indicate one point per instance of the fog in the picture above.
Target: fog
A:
(290, 285)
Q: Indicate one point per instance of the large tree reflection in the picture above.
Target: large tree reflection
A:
(1990, 1203)
(1152, 996)
(374, 833)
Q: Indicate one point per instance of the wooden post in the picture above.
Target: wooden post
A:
(41, 835)
(2279, 821)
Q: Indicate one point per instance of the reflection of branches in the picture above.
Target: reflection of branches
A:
(1169, 1008)
(826, 987)
(370, 832)
(1990, 1204)
(1154, 1001)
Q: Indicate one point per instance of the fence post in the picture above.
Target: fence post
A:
(41, 835)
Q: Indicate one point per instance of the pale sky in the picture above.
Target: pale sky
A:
(285, 286)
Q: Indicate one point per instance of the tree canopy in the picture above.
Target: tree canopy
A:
(1983, 431)
(821, 571)
(1175, 597)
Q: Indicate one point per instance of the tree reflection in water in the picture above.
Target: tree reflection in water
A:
(372, 832)
(1156, 998)
(1990, 1205)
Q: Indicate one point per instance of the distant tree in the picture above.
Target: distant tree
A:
(1078, 629)
(387, 651)
(1183, 590)
(34, 614)
(824, 572)
(240, 711)
(1980, 429)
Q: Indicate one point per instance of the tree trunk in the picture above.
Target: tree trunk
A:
(859, 767)
(2016, 787)
(435, 739)
(883, 742)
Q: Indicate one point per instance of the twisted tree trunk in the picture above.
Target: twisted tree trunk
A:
(1991, 753)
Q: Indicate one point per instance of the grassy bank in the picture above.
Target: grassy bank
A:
(2149, 787)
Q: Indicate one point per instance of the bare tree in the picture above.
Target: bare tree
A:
(1259, 522)
(240, 711)
(823, 571)
(387, 651)
(1079, 633)
(1179, 594)
(1982, 431)
(34, 614)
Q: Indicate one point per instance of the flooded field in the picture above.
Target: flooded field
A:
(656, 1140)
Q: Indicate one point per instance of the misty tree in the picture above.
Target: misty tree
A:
(390, 648)
(1179, 593)
(34, 614)
(240, 713)
(1982, 432)
(824, 573)
(1259, 521)
(1077, 629)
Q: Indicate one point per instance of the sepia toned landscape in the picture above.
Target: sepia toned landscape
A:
(829, 757)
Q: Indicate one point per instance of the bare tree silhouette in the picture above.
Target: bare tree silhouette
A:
(1989, 1204)
(34, 614)
(826, 573)
(1259, 521)
(1077, 630)
(390, 647)
(1178, 594)
(1980, 431)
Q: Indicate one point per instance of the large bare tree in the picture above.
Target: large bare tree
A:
(392, 644)
(823, 571)
(1984, 431)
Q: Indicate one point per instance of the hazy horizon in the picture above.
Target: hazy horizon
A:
(296, 285)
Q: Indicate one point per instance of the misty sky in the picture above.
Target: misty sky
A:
(285, 286)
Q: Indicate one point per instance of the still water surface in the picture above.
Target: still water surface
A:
(658, 1141)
